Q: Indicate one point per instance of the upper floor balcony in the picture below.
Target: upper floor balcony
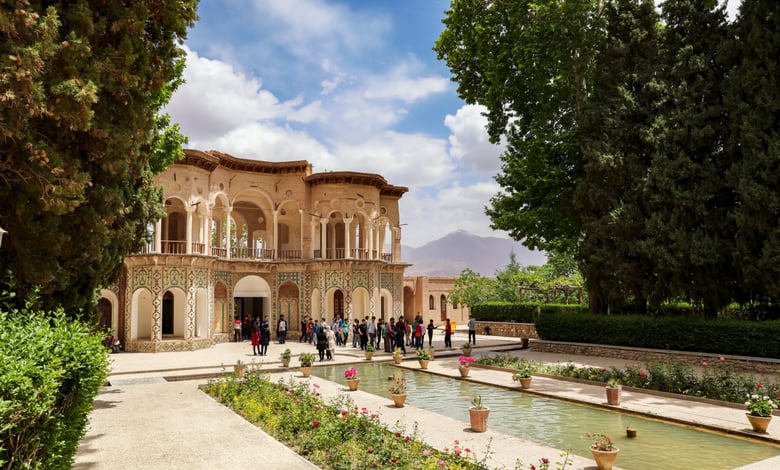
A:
(179, 247)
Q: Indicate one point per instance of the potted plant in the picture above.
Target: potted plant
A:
(306, 360)
(465, 365)
(423, 357)
(603, 450)
(760, 408)
(351, 376)
(285, 357)
(398, 390)
(370, 350)
(398, 355)
(523, 375)
(613, 392)
(478, 415)
(467, 348)
(238, 368)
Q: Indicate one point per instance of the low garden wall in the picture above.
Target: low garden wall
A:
(528, 330)
(516, 330)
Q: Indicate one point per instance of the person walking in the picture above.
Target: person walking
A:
(322, 343)
(281, 329)
(265, 336)
(472, 330)
(331, 337)
(400, 334)
(418, 336)
(390, 335)
(256, 336)
(237, 330)
(447, 334)
(371, 326)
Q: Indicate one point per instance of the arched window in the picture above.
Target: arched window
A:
(443, 304)
(338, 303)
(167, 314)
(431, 306)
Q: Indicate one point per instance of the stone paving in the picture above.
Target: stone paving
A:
(153, 416)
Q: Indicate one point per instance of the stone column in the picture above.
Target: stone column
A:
(324, 237)
(188, 235)
(227, 230)
(347, 237)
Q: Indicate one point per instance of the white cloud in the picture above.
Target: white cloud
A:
(215, 99)
(433, 214)
(412, 160)
(267, 142)
(469, 143)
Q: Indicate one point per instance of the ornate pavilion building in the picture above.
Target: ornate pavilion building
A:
(245, 237)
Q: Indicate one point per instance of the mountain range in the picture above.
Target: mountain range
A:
(451, 254)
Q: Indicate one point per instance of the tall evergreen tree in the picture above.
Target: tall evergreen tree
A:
(691, 237)
(753, 98)
(617, 152)
(83, 82)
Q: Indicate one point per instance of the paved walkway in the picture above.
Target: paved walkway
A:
(153, 416)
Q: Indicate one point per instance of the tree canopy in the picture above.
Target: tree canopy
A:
(644, 141)
(80, 137)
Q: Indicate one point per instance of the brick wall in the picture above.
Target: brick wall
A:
(516, 330)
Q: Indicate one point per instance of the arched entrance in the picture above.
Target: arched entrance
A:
(251, 296)
(289, 301)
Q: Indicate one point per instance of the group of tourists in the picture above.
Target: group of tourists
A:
(256, 330)
(364, 333)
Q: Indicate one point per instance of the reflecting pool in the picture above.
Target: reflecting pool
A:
(562, 425)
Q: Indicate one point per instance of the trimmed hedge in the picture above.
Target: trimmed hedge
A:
(520, 312)
(720, 336)
(51, 369)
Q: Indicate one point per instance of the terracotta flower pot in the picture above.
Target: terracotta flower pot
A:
(399, 399)
(423, 363)
(306, 371)
(238, 369)
(613, 395)
(398, 359)
(467, 351)
(758, 423)
(525, 382)
(369, 355)
(479, 419)
(353, 384)
(285, 363)
(464, 371)
(605, 459)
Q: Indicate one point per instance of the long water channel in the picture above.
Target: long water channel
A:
(562, 425)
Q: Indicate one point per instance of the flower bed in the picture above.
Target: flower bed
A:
(718, 380)
(335, 435)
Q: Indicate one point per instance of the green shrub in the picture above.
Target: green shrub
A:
(721, 336)
(519, 312)
(51, 368)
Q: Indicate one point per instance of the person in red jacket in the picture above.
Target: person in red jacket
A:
(447, 334)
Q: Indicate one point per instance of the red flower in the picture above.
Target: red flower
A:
(394, 460)
(545, 461)
(315, 423)
(643, 374)
(758, 386)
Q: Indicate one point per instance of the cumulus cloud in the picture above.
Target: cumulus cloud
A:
(412, 160)
(215, 98)
(469, 140)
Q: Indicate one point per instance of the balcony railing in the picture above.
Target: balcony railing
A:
(179, 247)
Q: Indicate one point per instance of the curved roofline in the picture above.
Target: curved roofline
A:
(356, 178)
(212, 159)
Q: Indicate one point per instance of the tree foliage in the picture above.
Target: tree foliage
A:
(645, 142)
(80, 137)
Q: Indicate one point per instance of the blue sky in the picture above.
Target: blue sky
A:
(346, 85)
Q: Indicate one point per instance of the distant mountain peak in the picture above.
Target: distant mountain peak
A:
(458, 250)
